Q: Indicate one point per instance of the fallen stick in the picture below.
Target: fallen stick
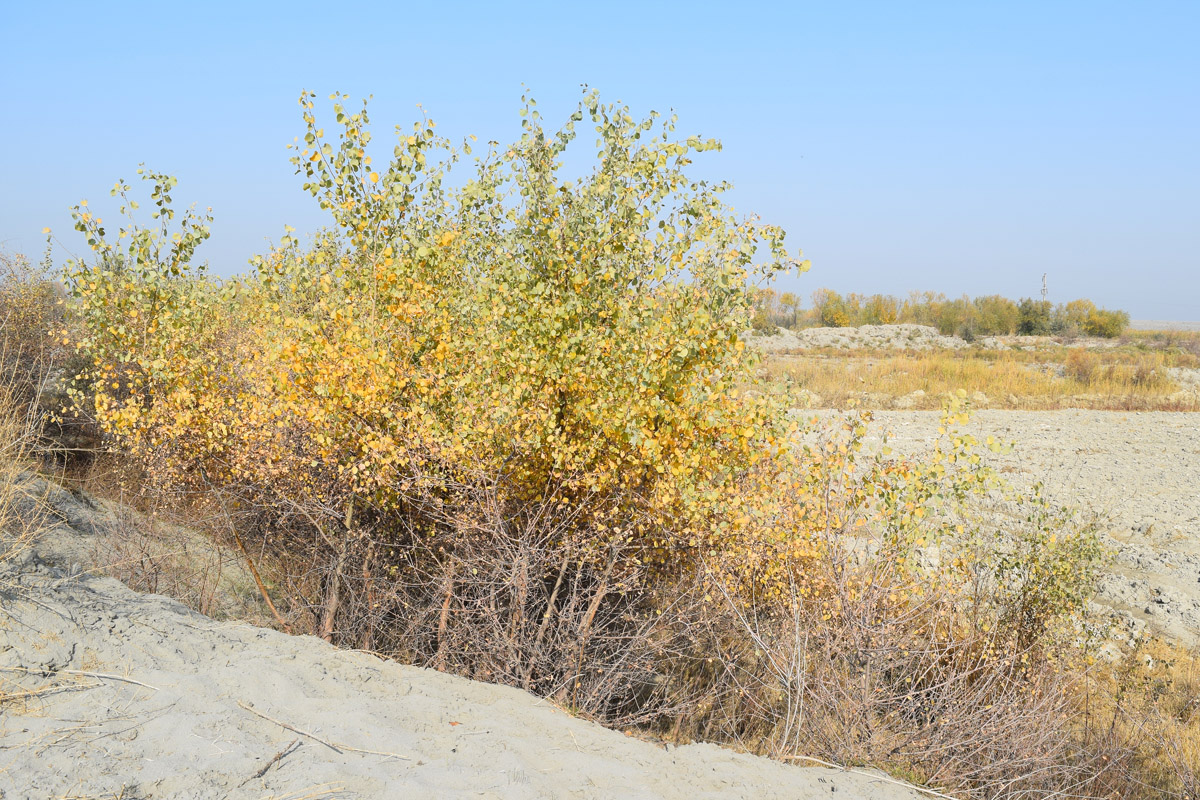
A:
(373, 752)
(291, 728)
(336, 747)
(278, 756)
(9, 698)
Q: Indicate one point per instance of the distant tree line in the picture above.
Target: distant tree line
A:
(966, 317)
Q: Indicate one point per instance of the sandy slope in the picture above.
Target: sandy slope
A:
(135, 696)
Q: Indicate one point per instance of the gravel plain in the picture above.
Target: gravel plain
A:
(1163, 325)
(904, 337)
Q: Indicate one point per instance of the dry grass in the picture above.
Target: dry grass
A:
(1047, 378)
(18, 442)
(1141, 713)
(169, 544)
(1182, 344)
(913, 694)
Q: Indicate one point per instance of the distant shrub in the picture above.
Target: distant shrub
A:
(951, 315)
(1104, 323)
(998, 316)
(881, 309)
(968, 318)
(770, 310)
(1082, 366)
(1072, 317)
(832, 309)
(1034, 317)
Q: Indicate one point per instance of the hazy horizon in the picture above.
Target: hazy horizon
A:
(943, 147)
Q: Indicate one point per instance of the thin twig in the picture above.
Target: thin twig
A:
(99, 675)
(337, 747)
(291, 728)
(281, 754)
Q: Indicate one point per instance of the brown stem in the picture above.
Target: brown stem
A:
(521, 578)
(258, 581)
(333, 589)
(589, 617)
(550, 608)
(594, 606)
(368, 635)
(333, 597)
(444, 619)
(262, 589)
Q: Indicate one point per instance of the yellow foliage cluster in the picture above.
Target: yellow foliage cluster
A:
(567, 338)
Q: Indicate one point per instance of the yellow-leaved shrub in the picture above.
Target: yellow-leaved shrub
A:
(504, 424)
(562, 343)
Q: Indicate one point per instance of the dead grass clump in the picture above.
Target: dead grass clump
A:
(18, 436)
(1082, 366)
(30, 309)
(919, 692)
(26, 307)
(34, 363)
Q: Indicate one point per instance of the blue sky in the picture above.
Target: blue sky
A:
(958, 147)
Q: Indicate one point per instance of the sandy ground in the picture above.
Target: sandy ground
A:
(1139, 473)
(114, 694)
